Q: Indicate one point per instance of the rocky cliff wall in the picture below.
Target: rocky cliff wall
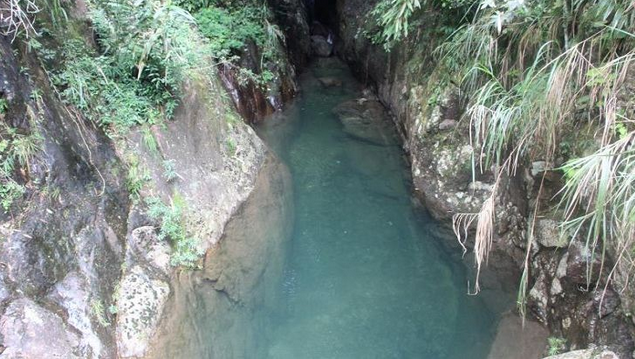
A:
(84, 272)
(428, 113)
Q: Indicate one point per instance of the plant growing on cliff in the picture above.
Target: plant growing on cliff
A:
(395, 19)
(136, 178)
(99, 313)
(186, 251)
(232, 27)
(555, 345)
(16, 151)
(145, 51)
(539, 70)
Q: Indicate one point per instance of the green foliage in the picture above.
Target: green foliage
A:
(556, 345)
(137, 177)
(169, 172)
(10, 191)
(395, 19)
(148, 140)
(16, 149)
(230, 29)
(4, 106)
(231, 147)
(134, 77)
(186, 251)
(98, 312)
(535, 71)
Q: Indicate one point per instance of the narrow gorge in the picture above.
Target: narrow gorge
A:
(317, 179)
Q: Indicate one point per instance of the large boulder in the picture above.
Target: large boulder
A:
(583, 265)
(30, 331)
(320, 46)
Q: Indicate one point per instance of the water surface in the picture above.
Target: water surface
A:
(365, 275)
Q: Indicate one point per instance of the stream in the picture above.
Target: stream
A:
(365, 276)
(329, 258)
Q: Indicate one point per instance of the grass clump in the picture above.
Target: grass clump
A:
(99, 313)
(169, 171)
(534, 73)
(136, 178)
(172, 218)
(16, 150)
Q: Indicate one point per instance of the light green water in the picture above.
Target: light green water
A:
(365, 277)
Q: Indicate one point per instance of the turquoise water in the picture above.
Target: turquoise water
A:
(365, 276)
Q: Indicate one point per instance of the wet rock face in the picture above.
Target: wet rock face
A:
(292, 16)
(214, 313)
(62, 246)
(73, 294)
(75, 237)
(548, 234)
(583, 264)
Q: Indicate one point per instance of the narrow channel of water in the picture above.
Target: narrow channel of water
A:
(365, 276)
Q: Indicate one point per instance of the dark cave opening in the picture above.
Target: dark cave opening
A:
(324, 12)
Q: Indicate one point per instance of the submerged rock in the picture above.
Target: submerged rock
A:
(330, 81)
(516, 338)
(366, 120)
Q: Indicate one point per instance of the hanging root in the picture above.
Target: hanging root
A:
(16, 16)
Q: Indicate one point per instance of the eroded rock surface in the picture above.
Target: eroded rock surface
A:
(140, 302)
(586, 354)
(30, 331)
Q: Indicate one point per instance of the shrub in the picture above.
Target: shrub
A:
(185, 248)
